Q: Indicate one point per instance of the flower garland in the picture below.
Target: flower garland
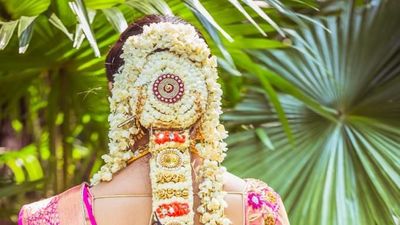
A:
(162, 49)
(172, 199)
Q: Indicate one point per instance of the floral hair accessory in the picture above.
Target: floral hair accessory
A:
(167, 84)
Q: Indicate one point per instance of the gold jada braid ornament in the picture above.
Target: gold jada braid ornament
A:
(171, 178)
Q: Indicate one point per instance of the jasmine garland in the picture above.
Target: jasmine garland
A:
(166, 48)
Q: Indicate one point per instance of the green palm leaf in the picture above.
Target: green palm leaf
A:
(343, 170)
(23, 163)
(20, 12)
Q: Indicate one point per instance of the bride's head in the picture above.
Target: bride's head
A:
(164, 78)
(163, 73)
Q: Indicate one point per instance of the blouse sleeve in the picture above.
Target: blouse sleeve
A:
(41, 212)
(73, 206)
(264, 206)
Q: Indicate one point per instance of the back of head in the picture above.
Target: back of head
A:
(165, 85)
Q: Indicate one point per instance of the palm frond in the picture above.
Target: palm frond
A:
(85, 12)
(343, 168)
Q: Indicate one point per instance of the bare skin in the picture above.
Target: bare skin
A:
(136, 210)
(134, 181)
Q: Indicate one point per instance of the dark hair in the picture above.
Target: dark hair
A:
(113, 59)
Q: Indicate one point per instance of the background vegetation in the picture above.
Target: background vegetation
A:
(311, 94)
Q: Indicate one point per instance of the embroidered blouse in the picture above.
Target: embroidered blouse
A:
(263, 206)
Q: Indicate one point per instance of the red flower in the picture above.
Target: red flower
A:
(173, 209)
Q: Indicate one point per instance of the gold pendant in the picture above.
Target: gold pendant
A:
(170, 159)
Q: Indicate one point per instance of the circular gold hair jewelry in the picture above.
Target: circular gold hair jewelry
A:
(144, 150)
(170, 159)
(168, 88)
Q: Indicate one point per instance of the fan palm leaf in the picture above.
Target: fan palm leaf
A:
(340, 170)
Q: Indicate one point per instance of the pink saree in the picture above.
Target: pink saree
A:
(75, 206)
